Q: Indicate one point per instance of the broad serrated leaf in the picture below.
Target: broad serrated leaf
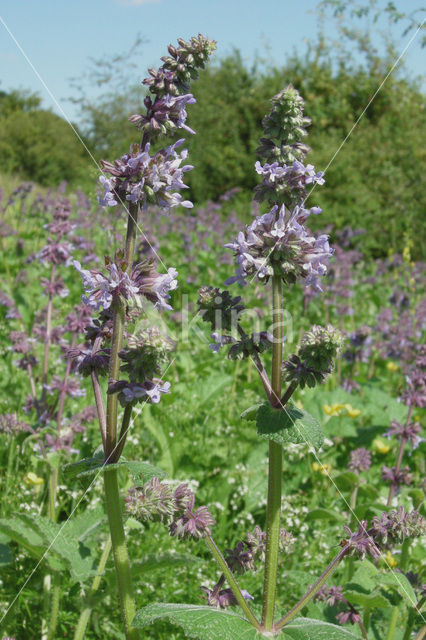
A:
(163, 561)
(84, 524)
(399, 582)
(289, 425)
(18, 531)
(310, 629)
(356, 596)
(325, 514)
(141, 471)
(197, 621)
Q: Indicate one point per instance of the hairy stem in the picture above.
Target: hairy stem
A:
(232, 582)
(112, 496)
(54, 607)
(392, 624)
(312, 591)
(88, 603)
(121, 556)
(392, 488)
(123, 433)
(273, 509)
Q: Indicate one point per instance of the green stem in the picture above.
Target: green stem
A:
(112, 496)
(273, 509)
(53, 486)
(312, 591)
(232, 582)
(87, 608)
(123, 433)
(121, 557)
(54, 607)
(392, 624)
(114, 372)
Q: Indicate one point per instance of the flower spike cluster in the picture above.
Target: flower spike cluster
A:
(156, 501)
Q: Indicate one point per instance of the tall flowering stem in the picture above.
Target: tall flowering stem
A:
(273, 509)
(112, 495)
(393, 485)
(138, 179)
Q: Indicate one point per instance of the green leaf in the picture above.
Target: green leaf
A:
(325, 514)
(141, 471)
(163, 561)
(84, 524)
(251, 412)
(205, 623)
(6, 555)
(310, 629)
(346, 480)
(399, 582)
(289, 425)
(355, 595)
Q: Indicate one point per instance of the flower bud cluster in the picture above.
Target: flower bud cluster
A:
(156, 501)
(219, 308)
(394, 526)
(314, 359)
(284, 129)
(181, 67)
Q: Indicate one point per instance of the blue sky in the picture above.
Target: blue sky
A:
(59, 37)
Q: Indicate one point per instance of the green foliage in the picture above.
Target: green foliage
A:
(36, 144)
(288, 425)
(141, 471)
(206, 623)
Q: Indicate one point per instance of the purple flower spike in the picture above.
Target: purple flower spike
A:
(193, 524)
(360, 460)
(362, 542)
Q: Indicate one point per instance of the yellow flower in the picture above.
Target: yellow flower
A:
(325, 469)
(381, 446)
(390, 560)
(32, 478)
(392, 366)
(333, 410)
(352, 413)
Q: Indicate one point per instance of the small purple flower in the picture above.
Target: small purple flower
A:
(102, 289)
(223, 598)
(55, 288)
(397, 478)
(55, 252)
(331, 595)
(360, 460)
(407, 432)
(193, 524)
(362, 542)
(351, 616)
(133, 392)
(139, 177)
